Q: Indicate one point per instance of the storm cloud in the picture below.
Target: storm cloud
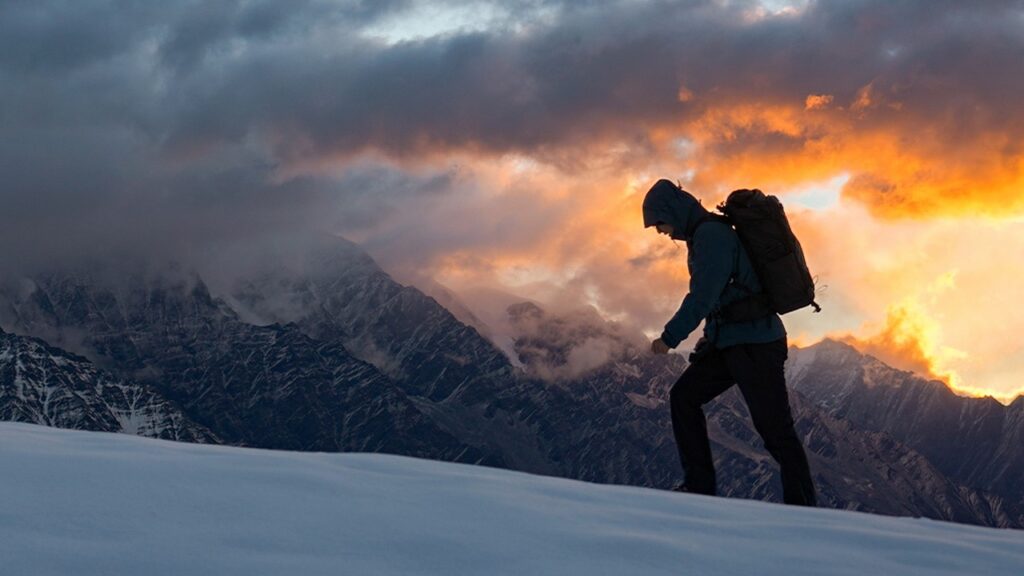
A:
(186, 106)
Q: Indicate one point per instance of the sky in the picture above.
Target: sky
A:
(502, 149)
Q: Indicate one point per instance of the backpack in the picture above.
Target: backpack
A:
(774, 250)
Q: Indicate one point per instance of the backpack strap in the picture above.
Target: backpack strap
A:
(754, 305)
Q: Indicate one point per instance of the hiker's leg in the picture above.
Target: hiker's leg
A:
(759, 370)
(700, 383)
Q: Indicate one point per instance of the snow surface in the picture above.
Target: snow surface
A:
(90, 503)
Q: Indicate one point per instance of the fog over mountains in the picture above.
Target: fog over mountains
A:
(320, 349)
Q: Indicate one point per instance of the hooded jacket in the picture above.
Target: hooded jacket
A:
(718, 266)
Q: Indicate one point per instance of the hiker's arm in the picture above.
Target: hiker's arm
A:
(713, 257)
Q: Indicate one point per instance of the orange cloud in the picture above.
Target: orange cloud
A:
(903, 165)
(905, 342)
(816, 101)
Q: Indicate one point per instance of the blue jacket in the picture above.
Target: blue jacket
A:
(719, 267)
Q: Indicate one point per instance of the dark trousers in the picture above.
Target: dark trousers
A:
(758, 370)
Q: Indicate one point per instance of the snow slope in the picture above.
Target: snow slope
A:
(90, 503)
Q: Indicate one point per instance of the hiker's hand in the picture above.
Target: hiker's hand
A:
(659, 347)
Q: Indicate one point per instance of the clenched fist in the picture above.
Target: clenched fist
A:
(659, 347)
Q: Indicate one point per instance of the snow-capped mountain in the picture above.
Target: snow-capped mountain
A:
(336, 292)
(41, 384)
(269, 386)
(322, 350)
(976, 442)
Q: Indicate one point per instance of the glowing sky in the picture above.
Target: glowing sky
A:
(504, 147)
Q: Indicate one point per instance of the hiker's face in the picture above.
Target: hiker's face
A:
(665, 229)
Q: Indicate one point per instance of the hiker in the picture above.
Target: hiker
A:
(750, 353)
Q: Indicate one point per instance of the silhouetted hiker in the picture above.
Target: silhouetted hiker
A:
(750, 353)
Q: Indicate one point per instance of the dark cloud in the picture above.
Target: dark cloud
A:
(194, 120)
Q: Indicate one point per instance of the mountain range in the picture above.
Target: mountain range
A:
(321, 350)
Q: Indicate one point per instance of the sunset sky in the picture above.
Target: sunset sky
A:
(502, 149)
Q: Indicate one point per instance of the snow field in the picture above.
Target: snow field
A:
(89, 503)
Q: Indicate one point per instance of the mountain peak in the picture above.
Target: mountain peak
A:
(845, 353)
(835, 345)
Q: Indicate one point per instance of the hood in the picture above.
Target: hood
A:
(668, 203)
